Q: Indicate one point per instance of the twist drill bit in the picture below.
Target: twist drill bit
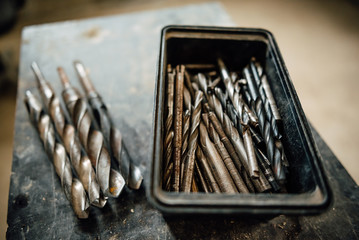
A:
(237, 179)
(111, 182)
(237, 102)
(112, 135)
(178, 127)
(261, 184)
(190, 157)
(201, 179)
(188, 82)
(216, 106)
(248, 144)
(73, 189)
(185, 137)
(169, 125)
(207, 172)
(264, 164)
(271, 100)
(67, 134)
(220, 172)
(221, 96)
(265, 100)
(202, 83)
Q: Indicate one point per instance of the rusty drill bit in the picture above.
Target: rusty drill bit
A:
(73, 189)
(220, 171)
(178, 110)
(111, 181)
(248, 144)
(237, 179)
(112, 135)
(192, 146)
(207, 172)
(169, 125)
(67, 134)
(185, 137)
(265, 100)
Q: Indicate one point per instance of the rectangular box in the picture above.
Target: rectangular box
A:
(308, 191)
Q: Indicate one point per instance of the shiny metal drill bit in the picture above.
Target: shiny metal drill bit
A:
(268, 110)
(178, 110)
(207, 172)
(264, 164)
(192, 146)
(112, 135)
(260, 184)
(73, 189)
(237, 102)
(67, 134)
(248, 145)
(220, 171)
(237, 179)
(271, 100)
(111, 181)
(223, 97)
(251, 83)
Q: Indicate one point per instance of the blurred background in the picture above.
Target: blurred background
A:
(319, 41)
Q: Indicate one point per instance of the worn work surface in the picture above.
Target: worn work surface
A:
(121, 53)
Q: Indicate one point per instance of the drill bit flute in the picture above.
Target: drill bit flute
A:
(67, 134)
(111, 182)
(72, 187)
(131, 173)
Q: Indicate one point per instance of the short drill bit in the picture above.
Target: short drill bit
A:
(111, 181)
(237, 179)
(67, 134)
(178, 110)
(73, 189)
(248, 143)
(220, 171)
(192, 146)
(207, 172)
(112, 135)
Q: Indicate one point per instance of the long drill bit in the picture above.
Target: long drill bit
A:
(66, 132)
(269, 112)
(169, 134)
(192, 146)
(220, 171)
(201, 179)
(237, 179)
(185, 137)
(111, 181)
(131, 173)
(73, 188)
(178, 110)
(207, 172)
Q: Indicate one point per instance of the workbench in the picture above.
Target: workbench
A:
(121, 53)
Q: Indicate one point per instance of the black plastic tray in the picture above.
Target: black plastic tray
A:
(308, 192)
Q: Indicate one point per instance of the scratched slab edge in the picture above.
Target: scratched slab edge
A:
(121, 53)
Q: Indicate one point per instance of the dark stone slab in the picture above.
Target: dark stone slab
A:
(121, 53)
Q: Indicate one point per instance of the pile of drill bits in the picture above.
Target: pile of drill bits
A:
(87, 148)
(222, 131)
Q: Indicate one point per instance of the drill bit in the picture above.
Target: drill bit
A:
(178, 127)
(220, 172)
(265, 100)
(264, 164)
(201, 178)
(111, 181)
(112, 135)
(73, 189)
(216, 106)
(248, 144)
(188, 82)
(185, 137)
(271, 100)
(221, 96)
(67, 134)
(237, 102)
(260, 184)
(237, 179)
(169, 125)
(207, 172)
(190, 156)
